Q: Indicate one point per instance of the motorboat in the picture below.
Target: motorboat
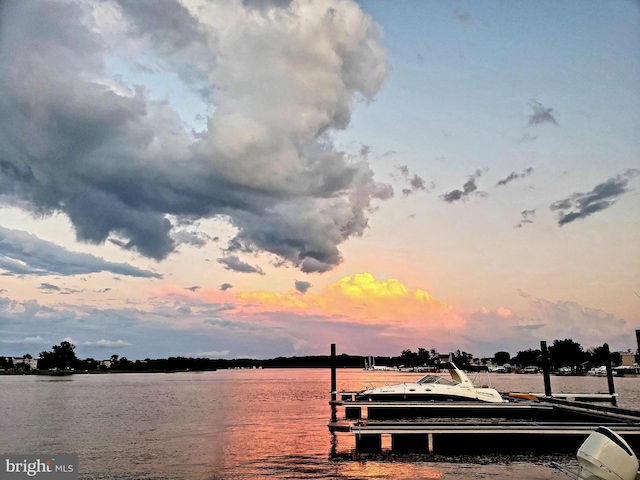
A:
(604, 455)
(456, 387)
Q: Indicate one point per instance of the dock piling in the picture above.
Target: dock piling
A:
(334, 384)
(612, 388)
(545, 368)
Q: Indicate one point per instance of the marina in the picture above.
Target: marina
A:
(521, 423)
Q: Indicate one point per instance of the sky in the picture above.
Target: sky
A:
(262, 178)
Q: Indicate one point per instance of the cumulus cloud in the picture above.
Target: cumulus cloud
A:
(541, 114)
(22, 253)
(604, 195)
(276, 79)
(468, 189)
(302, 287)
(565, 319)
(514, 175)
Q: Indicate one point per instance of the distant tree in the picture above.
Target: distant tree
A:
(23, 366)
(409, 358)
(598, 357)
(62, 357)
(27, 356)
(89, 364)
(6, 362)
(500, 358)
(528, 357)
(123, 364)
(566, 353)
(427, 357)
(462, 359)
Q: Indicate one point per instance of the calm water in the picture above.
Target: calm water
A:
(234, 424)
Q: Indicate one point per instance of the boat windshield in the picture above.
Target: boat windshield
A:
(438, 380)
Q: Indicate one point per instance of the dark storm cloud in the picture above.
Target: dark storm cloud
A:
(22, 253)
(225, 286)
(603, 196)
(302, 287)
(76, 138)
(468, 189)
(514, 175)
(541, 114)
(235, 264)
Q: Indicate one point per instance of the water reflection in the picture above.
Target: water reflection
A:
(227, 424)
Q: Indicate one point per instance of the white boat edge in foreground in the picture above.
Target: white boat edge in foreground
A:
(604, 455)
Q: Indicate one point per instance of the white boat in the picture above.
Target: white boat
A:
(434, 388)
(605, 455)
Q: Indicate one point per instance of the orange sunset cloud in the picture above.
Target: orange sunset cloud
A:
(360, 297)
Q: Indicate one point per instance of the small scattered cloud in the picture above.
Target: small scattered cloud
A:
(49, 287)
(225, 286)
(462, 17)
(103, 343)
(37, 340)
(184, 309)
(514, 175)
(414, 181)
(195, 239)
(527, 216)
(70, 291)
(194, 288)
(604, 195)
(302, 287)
(527, 138)
(468, 189)
(541, 114)
(233, 263)
(214, 353)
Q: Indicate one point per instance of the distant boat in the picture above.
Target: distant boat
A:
(433, 388)
(530, 369)
(598, 371)
(627, 370)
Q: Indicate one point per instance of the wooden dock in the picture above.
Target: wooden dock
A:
(547, 424)
(466, 428)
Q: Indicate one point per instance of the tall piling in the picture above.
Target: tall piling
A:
(612, 388)
(545, 368)
(334, 384)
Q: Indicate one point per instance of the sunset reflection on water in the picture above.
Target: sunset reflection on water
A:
(233, 424)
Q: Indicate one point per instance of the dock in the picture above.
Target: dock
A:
(544, 423)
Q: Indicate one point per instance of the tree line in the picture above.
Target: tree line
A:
(562, 353)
